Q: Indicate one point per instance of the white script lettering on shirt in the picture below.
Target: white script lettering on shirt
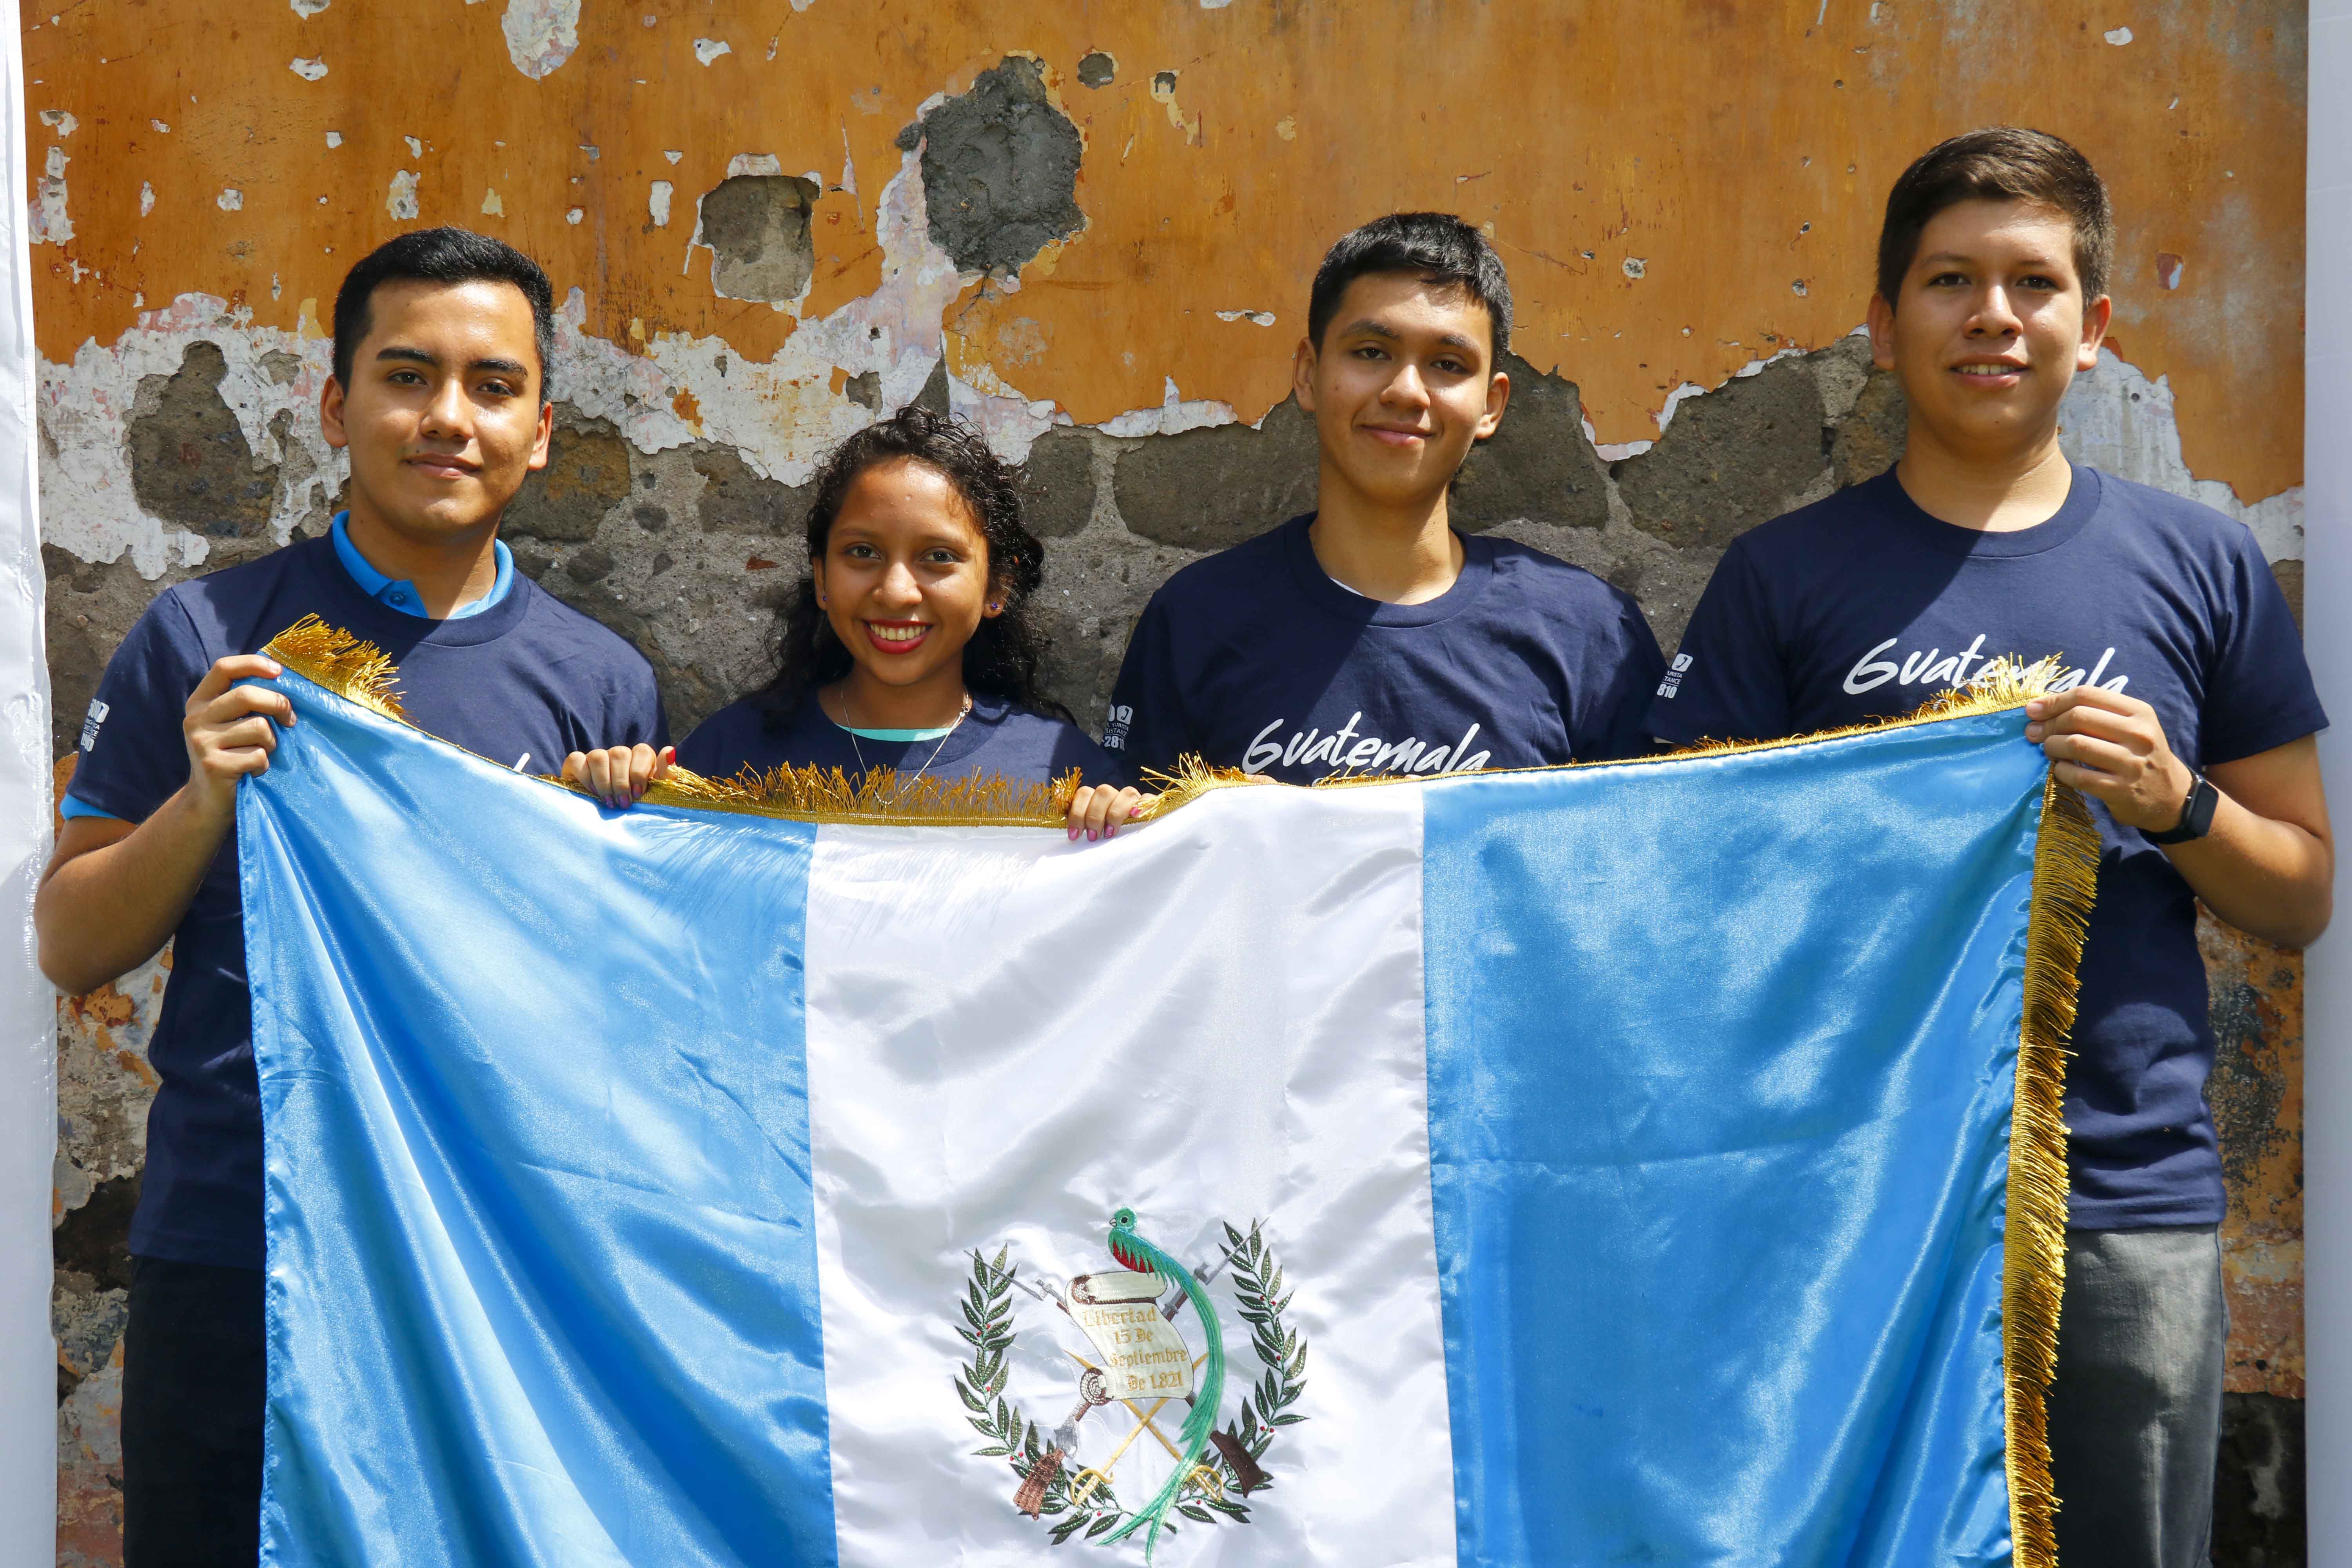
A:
(1346, 752)
(1938, 670)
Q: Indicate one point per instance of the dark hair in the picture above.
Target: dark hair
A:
(1998, 164)
(1001, 660)
(1440, 246)
(442, 256)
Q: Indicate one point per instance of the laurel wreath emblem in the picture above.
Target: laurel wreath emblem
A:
(1085, 1504)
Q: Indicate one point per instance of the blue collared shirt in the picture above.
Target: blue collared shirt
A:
(401, 594)
(398, 594)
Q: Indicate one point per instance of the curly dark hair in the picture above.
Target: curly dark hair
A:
(1000, 660)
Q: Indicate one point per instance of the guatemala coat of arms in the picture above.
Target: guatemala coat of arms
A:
(1146, 1434)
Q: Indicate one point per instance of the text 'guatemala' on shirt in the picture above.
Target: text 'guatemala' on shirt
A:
(1863, 606)
(1255, 658)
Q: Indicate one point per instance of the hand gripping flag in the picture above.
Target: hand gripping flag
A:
(1652, 1162)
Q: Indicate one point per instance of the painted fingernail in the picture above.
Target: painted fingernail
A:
(1074, 835)
(1090, 836)
(1133, 812)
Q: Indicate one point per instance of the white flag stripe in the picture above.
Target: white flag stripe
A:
(1232, 1030)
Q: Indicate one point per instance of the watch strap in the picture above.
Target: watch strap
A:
(2196, 813)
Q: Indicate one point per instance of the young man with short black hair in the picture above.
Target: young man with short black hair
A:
(439, 395)
(1369, 637)
(2186, 715)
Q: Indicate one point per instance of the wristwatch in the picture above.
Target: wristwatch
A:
(2196, 813)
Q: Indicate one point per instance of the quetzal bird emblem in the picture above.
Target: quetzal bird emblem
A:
(1133, 1252)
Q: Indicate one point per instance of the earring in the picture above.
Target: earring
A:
(995, 605)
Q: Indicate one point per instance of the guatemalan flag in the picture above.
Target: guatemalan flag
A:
(1650, 1164)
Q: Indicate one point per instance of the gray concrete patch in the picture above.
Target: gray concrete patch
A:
(190, 462)
(757, 226)
(999, 170)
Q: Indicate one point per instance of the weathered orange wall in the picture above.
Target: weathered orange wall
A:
(1734, 150)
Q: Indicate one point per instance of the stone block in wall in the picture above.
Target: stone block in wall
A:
(2259, 1519)
(1057, 484)
(587, 474)
(736, 500)
(1732, 459)
(1538, 466)
(1206, 490)
(1870, 439)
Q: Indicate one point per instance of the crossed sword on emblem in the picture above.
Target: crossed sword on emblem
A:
(1094, 1393)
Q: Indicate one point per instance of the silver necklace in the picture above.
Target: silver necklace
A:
(910, 780)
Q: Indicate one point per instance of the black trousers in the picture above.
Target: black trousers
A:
(194, 1357)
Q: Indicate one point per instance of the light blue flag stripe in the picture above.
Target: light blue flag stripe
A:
(1721, 1061)
(543, 1289)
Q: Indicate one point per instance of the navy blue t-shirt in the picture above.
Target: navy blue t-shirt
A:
(1863, 606)
(1255, 658)
(996, 738)
(523, 683)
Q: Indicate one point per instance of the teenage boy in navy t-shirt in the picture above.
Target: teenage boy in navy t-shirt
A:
(1369, 637)
(439, 395)
(2187, 715)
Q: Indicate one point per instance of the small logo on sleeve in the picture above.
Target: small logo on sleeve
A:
(91, 720)
(1673, 680)
(1116, 724)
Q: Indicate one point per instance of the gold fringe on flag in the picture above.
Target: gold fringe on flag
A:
(2066, 870)
(2002, 684)
(2033, 1261)
(342, 663)
(829, 794)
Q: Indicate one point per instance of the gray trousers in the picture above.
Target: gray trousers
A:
(2136, 1410)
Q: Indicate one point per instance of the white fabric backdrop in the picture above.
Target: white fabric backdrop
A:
(28, 1057)
(2327, 627)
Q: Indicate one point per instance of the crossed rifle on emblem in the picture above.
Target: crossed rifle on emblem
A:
(1094, 1391)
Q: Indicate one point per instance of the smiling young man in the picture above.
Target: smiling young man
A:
(439, 395)
(2187, 716)
(1369, 637)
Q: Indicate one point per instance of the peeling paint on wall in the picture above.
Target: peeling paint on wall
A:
(264, 384)
(2116, 418)
(1215, 158)
(50, 225)
(540, 34)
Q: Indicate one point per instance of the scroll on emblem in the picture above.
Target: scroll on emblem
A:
(1143, 1357)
